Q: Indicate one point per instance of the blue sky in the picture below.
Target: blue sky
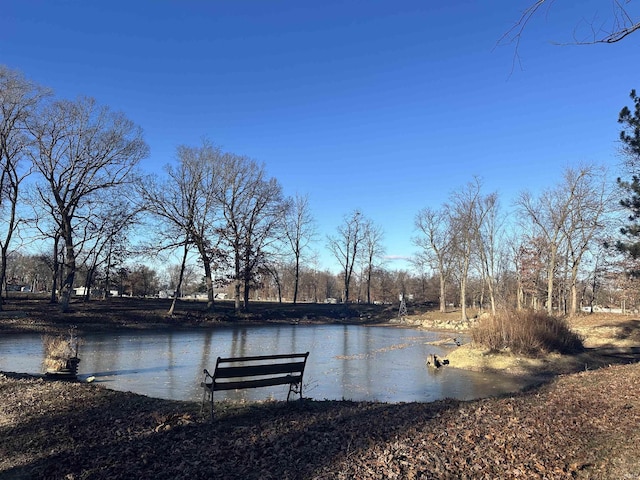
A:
(384, 106)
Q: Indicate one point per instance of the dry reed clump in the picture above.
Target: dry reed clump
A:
(58, 350)
(526, 332)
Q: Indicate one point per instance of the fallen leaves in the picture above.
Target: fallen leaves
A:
(579, 426)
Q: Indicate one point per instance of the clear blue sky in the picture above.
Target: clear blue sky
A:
(385, 106)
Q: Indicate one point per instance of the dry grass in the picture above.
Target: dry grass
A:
(526, 332)
(58, 349)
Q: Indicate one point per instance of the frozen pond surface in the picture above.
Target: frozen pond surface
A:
(346, 362)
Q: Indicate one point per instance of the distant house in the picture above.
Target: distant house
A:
(82, 291)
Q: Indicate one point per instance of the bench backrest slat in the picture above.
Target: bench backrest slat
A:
(261, 358)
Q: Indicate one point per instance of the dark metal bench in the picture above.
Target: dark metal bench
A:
(254, 372)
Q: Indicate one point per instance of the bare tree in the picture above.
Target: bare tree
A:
(47, 230)
(546, 216)
(274, 270)
(567, 218)
(143, 280)
(488, 229)
(299, 230)
(171, 202)
(82, 150)
(106, 231)
(186, 205)
(372, 252)
(19, 98)
(253, 208)
(465, 216)
(586, 220)
(436, 241)
(346, 246)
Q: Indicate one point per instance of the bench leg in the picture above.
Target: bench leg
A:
(295, 388)
(207, 391)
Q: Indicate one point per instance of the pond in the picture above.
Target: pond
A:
(348, 362)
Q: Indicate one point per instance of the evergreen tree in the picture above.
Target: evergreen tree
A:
(630, 138)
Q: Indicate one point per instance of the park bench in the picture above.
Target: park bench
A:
(254, 372)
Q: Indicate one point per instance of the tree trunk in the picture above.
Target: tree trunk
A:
(3, 274)
(180, 277)
(107, 279)
(550, 270)
(279, 287)
(209, 281)
(463, 300)
(236, 286)
(245, 294)
(492, 294)
(69, 267)
(443, 293)
(296, 280)
(345, 296)
(54, 271)
(574, 290)
(88, 280)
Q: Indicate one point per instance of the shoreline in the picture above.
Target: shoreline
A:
(609, 339)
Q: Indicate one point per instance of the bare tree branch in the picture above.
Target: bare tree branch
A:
(621, 24)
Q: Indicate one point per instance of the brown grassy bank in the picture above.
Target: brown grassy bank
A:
(36, 314)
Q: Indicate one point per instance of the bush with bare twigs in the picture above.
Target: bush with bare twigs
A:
(526, 332)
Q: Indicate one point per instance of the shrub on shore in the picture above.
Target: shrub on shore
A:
(526, 332)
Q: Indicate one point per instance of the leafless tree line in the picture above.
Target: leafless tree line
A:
(558, 240)
(88, 202)
(88, 198)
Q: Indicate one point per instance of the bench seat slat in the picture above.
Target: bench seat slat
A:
(256, 383)
(258, 370)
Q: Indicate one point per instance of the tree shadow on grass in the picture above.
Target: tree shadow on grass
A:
(119, 435)
(80, 431)
(629, 330)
